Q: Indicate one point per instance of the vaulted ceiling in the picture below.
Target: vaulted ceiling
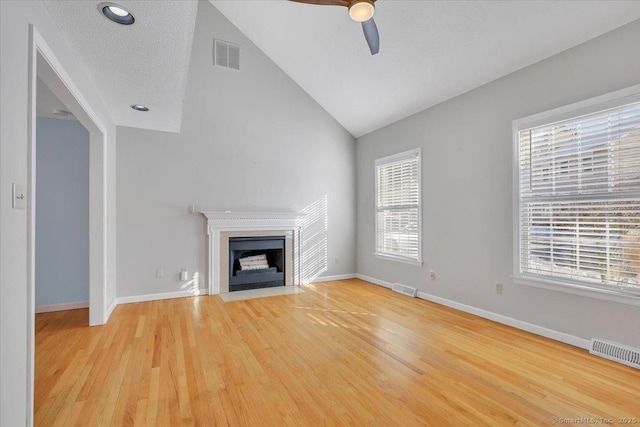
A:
(430, 51)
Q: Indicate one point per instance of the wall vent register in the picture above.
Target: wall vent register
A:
(617, 352)
(405, 290)
(226, 54)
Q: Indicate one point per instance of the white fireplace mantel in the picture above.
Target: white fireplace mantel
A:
(227, 221)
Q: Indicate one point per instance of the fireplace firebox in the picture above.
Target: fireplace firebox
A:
(256, 262)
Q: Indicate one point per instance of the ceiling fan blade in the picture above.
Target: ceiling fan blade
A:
(370, 30)
(344, 3)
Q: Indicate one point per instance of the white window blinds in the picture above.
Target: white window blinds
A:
(579, 208)
(398, 206)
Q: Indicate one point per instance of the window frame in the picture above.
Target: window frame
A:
(589, 106)
(405, 155)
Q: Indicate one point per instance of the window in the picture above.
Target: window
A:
(398, 214)
(578, 184)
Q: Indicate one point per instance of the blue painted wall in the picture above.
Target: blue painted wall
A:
(62, 212)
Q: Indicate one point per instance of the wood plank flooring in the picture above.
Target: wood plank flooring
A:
(341, 353)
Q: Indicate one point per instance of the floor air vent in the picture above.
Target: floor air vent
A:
(405, 290)
(616, 352)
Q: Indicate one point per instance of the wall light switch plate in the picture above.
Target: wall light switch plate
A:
(19, 196)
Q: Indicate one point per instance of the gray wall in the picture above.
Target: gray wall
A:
(467, 189)
(62, 212)
(16, 326)
(251, 140)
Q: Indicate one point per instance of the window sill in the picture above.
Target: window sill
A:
(570, 288)
(398, 259)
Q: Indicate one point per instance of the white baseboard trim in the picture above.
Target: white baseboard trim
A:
(509, 321)
(332, 278)
(60, 307)
(154, 297)
(110, 309)
(374, 280)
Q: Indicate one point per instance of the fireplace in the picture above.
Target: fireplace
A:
(224, 228)
(256, 262)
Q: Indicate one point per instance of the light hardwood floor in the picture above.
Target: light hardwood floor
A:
(341, 353)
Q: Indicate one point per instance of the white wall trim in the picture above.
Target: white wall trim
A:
(228, 221)
(48, 308)
(374, 280)
(31, 222)
(332, 278)
(112, 306)
(165, 295)
(190, 293)
(62, 85)
(505, 320)
(510, 321)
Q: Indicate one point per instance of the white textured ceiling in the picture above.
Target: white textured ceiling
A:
(144, 63)
(430, 51)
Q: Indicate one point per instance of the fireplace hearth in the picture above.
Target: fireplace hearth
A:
(256, 262)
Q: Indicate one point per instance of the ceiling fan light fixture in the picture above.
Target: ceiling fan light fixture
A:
(361, 10)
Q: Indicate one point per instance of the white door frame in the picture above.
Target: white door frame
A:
(43, 63)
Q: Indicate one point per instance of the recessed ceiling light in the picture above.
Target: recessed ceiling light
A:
(139, 107)
(116, 13)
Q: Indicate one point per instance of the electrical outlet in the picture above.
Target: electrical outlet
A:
(191, 209)
(159, 273)
(336, 260)
(432, 275)
(498, 288)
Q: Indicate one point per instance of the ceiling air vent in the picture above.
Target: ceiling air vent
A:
(226, 54)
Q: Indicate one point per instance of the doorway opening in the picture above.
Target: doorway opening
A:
(44, 65)
(62, 207)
